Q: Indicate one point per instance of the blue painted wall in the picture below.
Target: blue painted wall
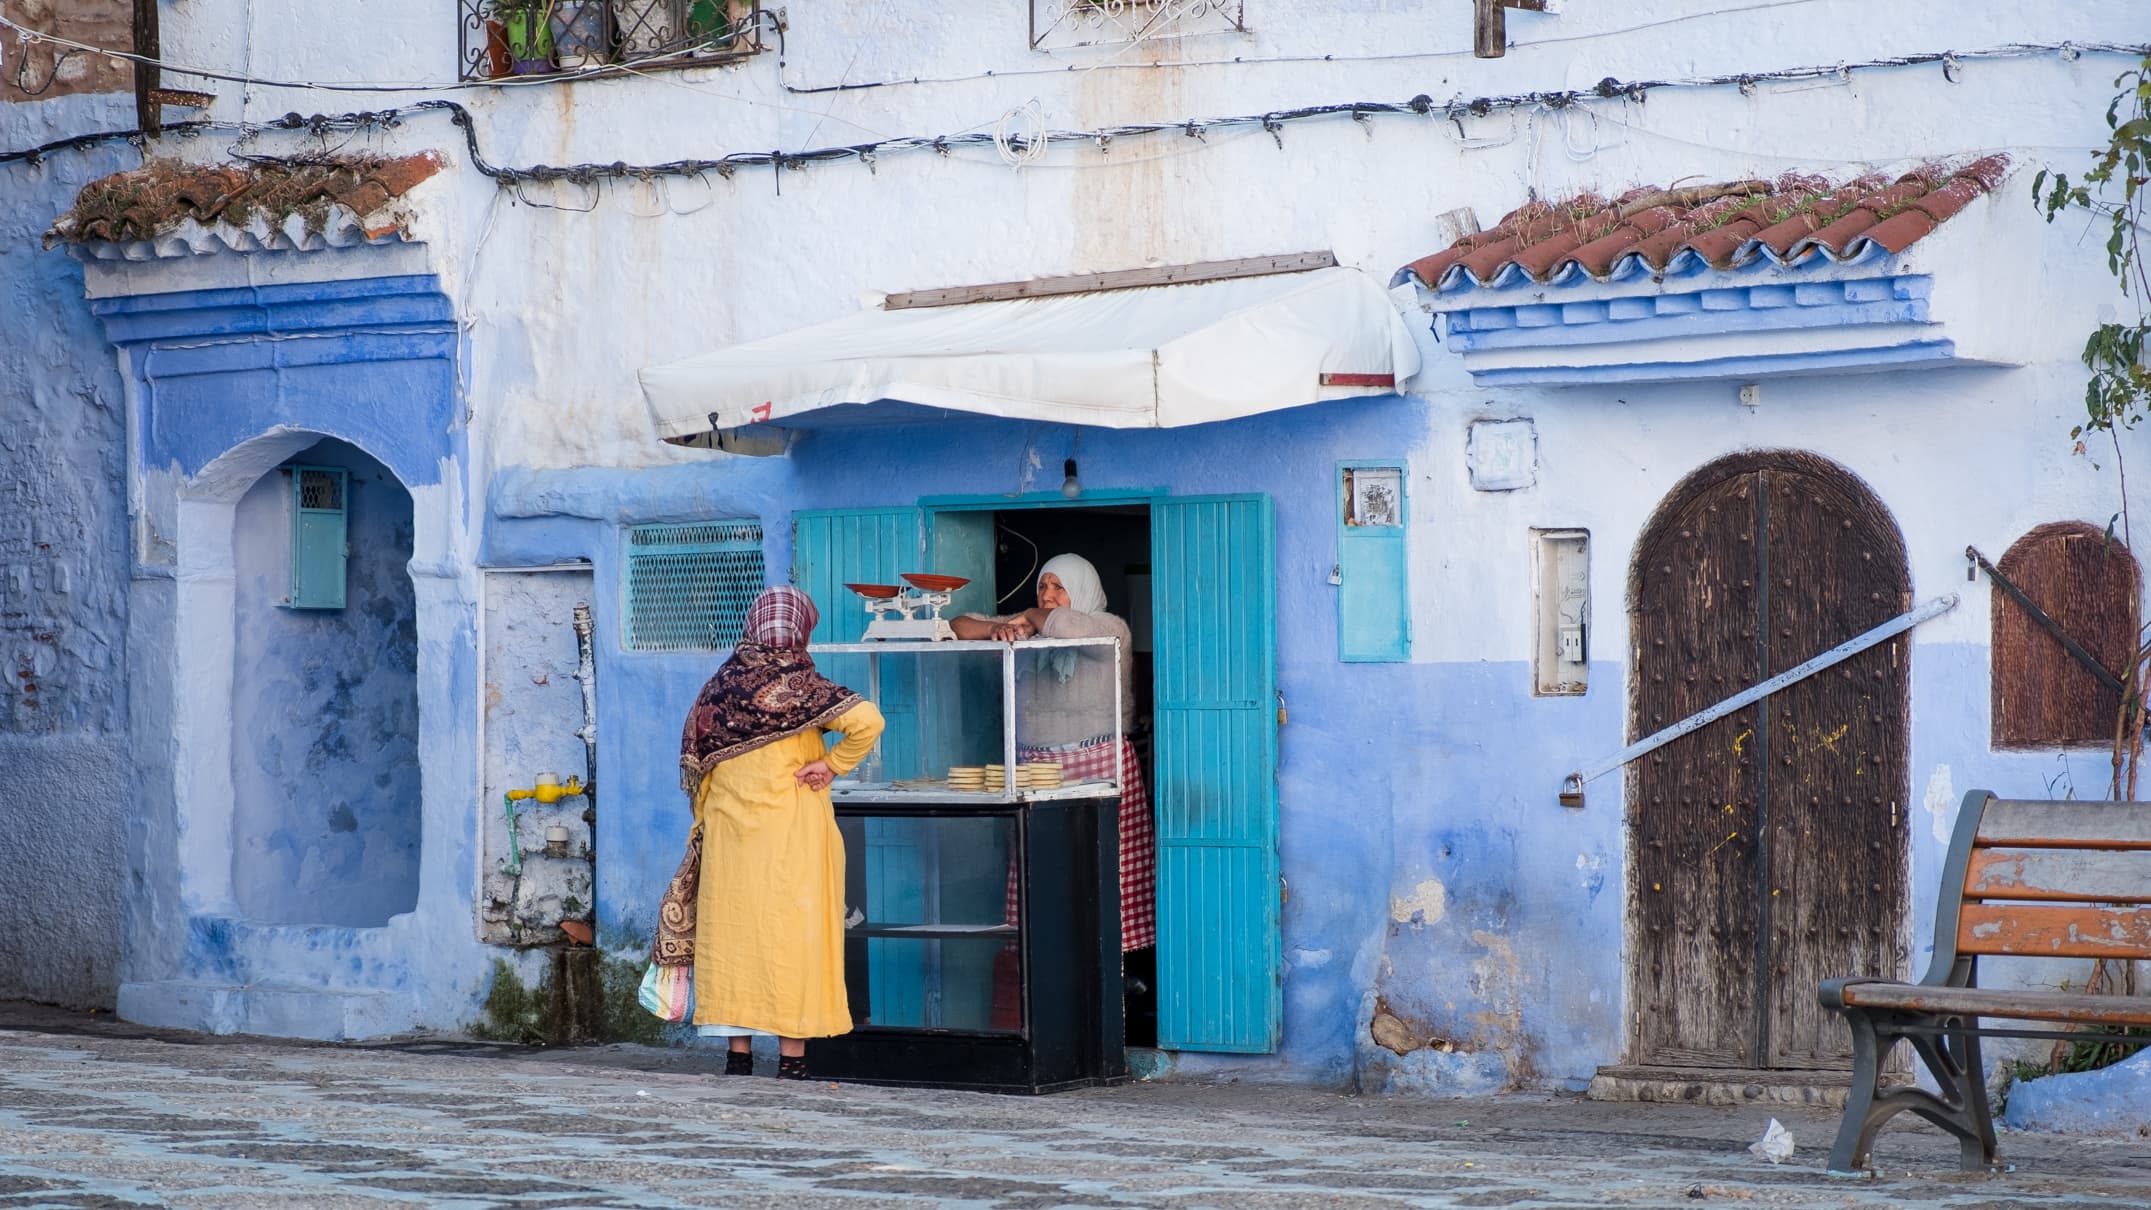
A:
(325, 771)
(228, 382)
(200, 398)
(1430, 875)
(1390, 774)
(63, 578)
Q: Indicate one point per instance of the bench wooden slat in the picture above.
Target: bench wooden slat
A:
(2065, 825)
(2067, 875)
(1997, 1002)
(2038, 931)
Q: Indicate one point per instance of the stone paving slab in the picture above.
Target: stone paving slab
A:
(98, 1113)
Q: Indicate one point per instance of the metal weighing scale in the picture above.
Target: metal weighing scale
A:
(895, 612)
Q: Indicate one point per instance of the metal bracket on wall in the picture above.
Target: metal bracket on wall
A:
(1572, 785)
(2090, 662)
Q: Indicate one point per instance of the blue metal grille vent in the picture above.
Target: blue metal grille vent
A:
(689, 586)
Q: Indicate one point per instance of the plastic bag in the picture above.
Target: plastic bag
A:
(668, 992)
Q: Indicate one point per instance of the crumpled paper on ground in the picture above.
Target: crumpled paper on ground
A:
(1776, 1145)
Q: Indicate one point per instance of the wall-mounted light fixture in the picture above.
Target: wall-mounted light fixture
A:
(1071, 487)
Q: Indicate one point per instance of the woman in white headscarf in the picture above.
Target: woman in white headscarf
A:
(1063, 698)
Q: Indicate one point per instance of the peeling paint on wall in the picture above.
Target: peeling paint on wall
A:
(1941, 803)
(1426, 905)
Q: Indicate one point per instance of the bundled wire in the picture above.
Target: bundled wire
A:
(1022, 137)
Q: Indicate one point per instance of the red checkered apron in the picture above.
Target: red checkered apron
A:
(1138, 835)
(1138, 859)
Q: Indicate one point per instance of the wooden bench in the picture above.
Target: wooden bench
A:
(2023, 880)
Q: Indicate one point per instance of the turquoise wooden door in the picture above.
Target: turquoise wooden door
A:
(872, 546)
(861, 546)
(1214, 602)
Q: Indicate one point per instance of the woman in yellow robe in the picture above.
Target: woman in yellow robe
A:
(769, 931)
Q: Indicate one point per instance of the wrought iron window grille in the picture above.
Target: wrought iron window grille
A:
(1067, 24)
(502, 38)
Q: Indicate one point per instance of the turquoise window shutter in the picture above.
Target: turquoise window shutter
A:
(964, 698)
(1374, 598)
(873, 546)
(831, 548)
(320, 536)
(1214, 603)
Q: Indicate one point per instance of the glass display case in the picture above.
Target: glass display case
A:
(967, 721)
(981, 889)
(981, 946)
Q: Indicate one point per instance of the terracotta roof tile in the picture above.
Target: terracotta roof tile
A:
(1898, 231)
(156, 199)
(1790, 219)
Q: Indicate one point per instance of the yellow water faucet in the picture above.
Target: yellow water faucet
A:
(549, 790)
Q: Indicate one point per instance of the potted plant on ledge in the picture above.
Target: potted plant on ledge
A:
(527, 26)
(580, 36)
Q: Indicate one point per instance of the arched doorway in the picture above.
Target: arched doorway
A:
(325, 769)
(1766, 850)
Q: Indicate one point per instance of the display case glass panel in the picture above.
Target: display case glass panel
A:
(929, 908)
(983, 721)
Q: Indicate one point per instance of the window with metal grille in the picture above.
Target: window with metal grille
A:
(689, 586)
(320, 537)
(541, 37)
(2086, 582)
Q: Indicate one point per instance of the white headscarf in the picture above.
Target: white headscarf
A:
(1085, 595)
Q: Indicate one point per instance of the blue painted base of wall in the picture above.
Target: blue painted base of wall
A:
(2112, 1100)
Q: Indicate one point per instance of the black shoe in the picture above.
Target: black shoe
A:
(791, 1067)
(739, 1063)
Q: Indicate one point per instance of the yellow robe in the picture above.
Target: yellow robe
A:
(769, 928)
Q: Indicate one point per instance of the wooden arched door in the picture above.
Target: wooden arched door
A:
(1767, 850)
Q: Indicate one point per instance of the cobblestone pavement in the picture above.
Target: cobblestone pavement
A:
(98, 1113)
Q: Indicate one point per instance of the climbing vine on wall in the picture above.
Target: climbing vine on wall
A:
(2116, 189)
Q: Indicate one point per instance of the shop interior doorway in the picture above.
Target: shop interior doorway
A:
(1115, 538)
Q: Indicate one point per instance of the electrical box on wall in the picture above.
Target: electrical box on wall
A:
(1561, 654)
(320, 536)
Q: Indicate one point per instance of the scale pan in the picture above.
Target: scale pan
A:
(875, 592)
(928, 582)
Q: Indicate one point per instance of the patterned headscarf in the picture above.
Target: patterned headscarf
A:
(782, 616)
(766, 691)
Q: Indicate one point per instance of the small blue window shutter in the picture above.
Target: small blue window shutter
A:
(871, 546)
(1214, 601)
(319, 536)
(1374, 620)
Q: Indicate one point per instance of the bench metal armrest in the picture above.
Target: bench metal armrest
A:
(1832, 992)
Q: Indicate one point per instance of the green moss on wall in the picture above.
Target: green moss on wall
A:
(565, 1008)
(514, 1012)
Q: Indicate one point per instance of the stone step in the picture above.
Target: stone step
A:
(269, 1010)
(1721, 1086)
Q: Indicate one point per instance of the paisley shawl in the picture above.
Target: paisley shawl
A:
(762, 694)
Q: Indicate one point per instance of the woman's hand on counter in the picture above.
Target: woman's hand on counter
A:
(1018, 627)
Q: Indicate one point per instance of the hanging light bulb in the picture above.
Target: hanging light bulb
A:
(1070, 486)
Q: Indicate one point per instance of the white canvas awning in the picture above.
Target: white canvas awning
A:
(1153, 357)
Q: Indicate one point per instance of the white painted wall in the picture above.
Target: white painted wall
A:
(565, 306)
